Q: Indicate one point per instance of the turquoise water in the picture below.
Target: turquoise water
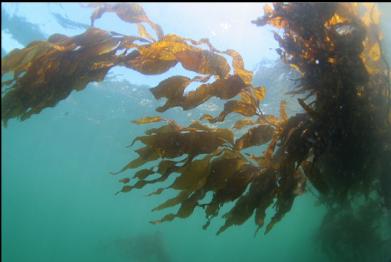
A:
(58, 197)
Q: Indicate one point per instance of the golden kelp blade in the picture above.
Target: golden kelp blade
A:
(238, 66)
(128, 12)
(173, 89)
(204, 62)
(259, 93)
(193, 175)
(248, 105)
(373, 52)
(258, 198)
(243, 122)
(255, 136)
(160, 56)
(217, 175)
(147, 120)
(283, 114)
(233, 106)
(144, 33)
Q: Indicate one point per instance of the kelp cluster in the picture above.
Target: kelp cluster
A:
(341, 143)
(347, 131)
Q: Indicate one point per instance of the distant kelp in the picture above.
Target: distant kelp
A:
(68, 23)
(14, 24)
(142, 247)
(335, 144)
(355, 233)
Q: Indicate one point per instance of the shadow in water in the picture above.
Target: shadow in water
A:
(143, 247)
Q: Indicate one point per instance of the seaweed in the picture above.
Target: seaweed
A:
(340, 144)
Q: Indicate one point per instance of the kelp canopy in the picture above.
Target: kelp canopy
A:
(340, 144)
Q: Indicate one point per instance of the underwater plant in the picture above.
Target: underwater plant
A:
(340, 144)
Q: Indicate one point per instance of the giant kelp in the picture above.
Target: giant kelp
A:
(343, 133)
(339, 54)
